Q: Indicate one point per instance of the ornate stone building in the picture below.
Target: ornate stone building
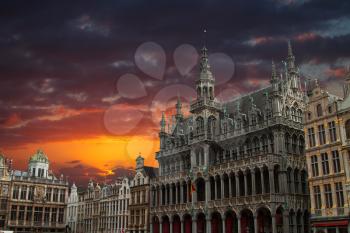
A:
(5, 183)
(38, 200)
(72, 209)
(235, 166)
(326, 119)
(139, 208)
(103, 209)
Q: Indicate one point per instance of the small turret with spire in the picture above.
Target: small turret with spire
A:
(290, 58)
(162, 123)
(206, 82)
(178, 109)
(346, 87)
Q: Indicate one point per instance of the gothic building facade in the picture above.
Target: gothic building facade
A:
(235, 166)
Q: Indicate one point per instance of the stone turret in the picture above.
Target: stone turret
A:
(206, 82)
(346, 87)
(39, 165)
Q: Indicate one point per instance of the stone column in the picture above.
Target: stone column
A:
(256, 224)
(208, 223)
(223, 224)
(171, 225)
(207, 190)
(262, 181)
(171, 195)
(181, 225)
(151, 226)
(160, 226)
(245, 184)
(237, 186)
(166, 196)
(222, 186)
(160, 196)
(272, 180)
(216, 189)
(239, 223)
(194, 224)
(253, 183)
(274, 228)
(229, 186)
(193, 159)
(206, 155)
(176, 194)
(285, 221)
(181, 193)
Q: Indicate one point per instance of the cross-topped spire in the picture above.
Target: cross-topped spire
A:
(204, 62)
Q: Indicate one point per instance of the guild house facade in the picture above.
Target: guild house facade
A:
(235, 166)
(37, 199)
(327, 130)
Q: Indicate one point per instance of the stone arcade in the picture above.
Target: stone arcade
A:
(235, 166)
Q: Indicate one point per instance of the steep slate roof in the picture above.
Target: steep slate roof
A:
(150, 171)
(244, 101)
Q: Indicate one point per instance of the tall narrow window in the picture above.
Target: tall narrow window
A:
(328, 195)
(317, 197)
(311, 135)
(332, 131)
(314, 165)
(321, 134)
(336, 161)
(15, 192)
(339, 194)
(319, 110)
(13, 212)
(325, 164)
(347, 129)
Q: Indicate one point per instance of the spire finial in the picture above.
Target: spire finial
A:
(162, 123)
(290, 50)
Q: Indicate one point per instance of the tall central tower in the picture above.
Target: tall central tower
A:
(206, 83)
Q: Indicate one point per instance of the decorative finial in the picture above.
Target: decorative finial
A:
(273, 72)
(162, 123)
(290, 50)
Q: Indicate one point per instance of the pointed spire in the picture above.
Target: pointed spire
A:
(290, 58)
(290, 50)
(162, 123)
(347, 77)
(178, 106)
(274, 77)
(204, 61)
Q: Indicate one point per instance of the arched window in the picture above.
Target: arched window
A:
(287, 112)
(256, 145)
(287, 142)
(347, 129)
(319, 110)
(294, 116)
(200, 125)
